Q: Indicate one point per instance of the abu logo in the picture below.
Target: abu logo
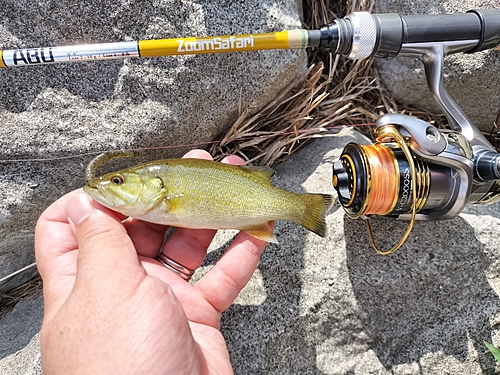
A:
(32, 56)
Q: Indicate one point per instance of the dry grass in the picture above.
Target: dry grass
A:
(335, 92)
(29, 290)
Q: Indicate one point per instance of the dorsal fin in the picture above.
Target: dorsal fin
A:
(265, 173)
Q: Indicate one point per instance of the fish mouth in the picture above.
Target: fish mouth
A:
(94, 184)
(91, 184)
(91, 188)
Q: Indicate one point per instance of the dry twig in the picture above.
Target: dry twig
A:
(28, 290)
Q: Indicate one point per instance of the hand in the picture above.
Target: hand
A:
(112, 308)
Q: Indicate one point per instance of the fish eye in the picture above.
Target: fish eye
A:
(117, 180)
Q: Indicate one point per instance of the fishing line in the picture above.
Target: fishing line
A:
(264, 135)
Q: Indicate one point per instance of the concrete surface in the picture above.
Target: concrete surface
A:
(471, 79)
(72, 109)
(19, 339)
(334, 306)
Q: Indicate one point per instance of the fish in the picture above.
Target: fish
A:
(198, 193)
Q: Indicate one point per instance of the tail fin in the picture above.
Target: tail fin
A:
(316, 208)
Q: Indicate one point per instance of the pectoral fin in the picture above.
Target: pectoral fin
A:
(262, 231)
(168, 203)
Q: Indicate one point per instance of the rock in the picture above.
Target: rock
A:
(334, 306)
(472, 80)
(66, 110)
(24, 362)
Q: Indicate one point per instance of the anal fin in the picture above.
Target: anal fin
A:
(262, 231)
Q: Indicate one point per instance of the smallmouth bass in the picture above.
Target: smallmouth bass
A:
(198, 193)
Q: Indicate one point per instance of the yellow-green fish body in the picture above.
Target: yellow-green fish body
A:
(197, 193)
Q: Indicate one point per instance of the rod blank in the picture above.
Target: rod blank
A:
(290, 39)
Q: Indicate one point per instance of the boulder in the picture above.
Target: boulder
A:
(59, 116)
(334, 306)
(472, 80)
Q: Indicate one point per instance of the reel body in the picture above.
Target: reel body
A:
(376, 179)
(414, 171)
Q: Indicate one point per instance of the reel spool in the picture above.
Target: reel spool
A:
(387, 179)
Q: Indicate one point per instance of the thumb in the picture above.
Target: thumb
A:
(105, 251)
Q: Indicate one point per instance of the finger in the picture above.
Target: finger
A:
(197, 154)
(53, 235)
(233, 159)
(146, 237)
(197, 309)
(222, 284)
(105, 251)
(56, 252)
(188, 247)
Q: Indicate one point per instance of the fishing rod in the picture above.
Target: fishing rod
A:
(358, 36)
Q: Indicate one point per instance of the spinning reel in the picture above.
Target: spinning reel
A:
(415, 171)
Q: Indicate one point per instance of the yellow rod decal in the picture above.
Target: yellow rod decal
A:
(2, 64)
(229, 43)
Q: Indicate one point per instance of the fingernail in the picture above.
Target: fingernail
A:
(197, 154)
(79, 208)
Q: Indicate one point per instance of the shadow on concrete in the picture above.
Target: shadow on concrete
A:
(19, 326)
(432, 295)
(271, 338)
(275, 337)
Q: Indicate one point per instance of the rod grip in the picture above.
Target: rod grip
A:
(440, 27)
(394, 30)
